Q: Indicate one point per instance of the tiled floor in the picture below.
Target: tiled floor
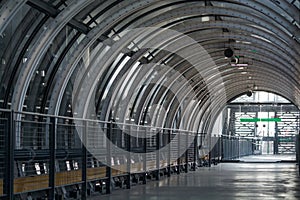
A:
(225, 181)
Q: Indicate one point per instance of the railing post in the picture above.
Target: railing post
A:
(108, 167)
(187, 153)
(145, 157)
(298, 151)
(195, 151)
(52, 138)
(157, 154)
(209, 149)
(10, 145)
(178, 155)
(169, 156)
(84, 161)
(128, 185)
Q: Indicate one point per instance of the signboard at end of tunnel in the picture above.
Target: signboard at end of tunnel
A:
(260, 120)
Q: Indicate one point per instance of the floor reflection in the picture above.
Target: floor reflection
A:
(224, 181)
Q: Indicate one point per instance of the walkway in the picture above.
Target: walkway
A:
(224, 181)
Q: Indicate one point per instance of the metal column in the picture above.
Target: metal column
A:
(128, 185)
(276, 139)
(187, 153)
(145, 158)
(108, 157)
(195, 151)
(178, 155)
(157, 154)
(52, 138)
(84, 161)
(169, 153)
(10, 145)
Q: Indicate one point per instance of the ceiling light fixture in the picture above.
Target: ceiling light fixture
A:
(239, 64)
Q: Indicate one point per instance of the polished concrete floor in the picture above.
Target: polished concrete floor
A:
(225, 181)
(268, 158)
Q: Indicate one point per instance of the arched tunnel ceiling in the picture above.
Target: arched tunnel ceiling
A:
(158, 63)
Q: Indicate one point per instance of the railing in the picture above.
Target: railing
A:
(236, 147)
(49, 155)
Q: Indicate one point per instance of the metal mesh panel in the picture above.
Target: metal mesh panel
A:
(97, 150)
(3, 127)
(31, 153)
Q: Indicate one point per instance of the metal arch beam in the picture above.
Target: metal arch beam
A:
(206, 119)
(268, 73)
(108, 58)
(178, 10)
(134, 59)
(194, 10)
(13, 69)
(214, 47)
(286, 7)
(54, 67)
(162, 94)
(216, 108)
(246, 87)
(264, 9)
(39, 49)
(258, 22)
(50, 10)
(275, 14)
(143, 76)
(237, 87)
(102, 38)
(235, 26)
(16, 40)
(265, 61)
(262, 77)
(99, 7)
(284, 91)
(150, 12)
(209, 125)
(271, 60)
(293, 61)
(251, 72)
(8, 10)
(71, 63)
(128, 104)
(270, 63)
(248, 38)
(43, 7)
(23, 50)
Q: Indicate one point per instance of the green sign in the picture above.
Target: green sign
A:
(286, 139)
(260, 120)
